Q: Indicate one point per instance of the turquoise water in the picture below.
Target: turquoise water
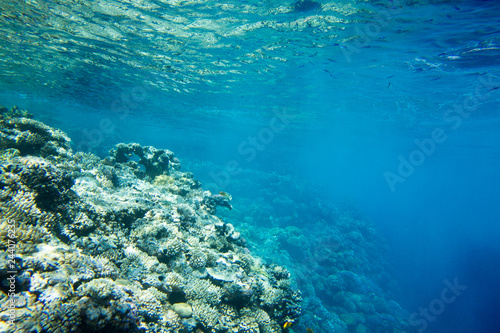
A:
(388, 107)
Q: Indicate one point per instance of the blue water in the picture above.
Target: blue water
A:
(389, 107)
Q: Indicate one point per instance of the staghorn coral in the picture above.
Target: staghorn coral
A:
(248, 325)
(149, 306)
(199, 289)
(205, 314)
(160, 295)
(174, 280)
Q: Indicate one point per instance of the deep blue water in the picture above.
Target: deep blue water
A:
(390, 106)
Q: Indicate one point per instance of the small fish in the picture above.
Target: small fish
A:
(388, 85)
(329, 73)
(287, 325)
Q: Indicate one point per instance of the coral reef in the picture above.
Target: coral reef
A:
(155, 161)
(335, 255)
(124, 245)
(30, 136)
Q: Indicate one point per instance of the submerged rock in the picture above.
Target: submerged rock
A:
(184, 310)
(110, 245)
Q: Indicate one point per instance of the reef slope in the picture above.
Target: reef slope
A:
(128, 243)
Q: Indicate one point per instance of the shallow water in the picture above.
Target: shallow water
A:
(391, 106)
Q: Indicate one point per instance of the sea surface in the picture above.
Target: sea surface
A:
(389, 109)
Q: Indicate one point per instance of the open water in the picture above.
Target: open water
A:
(388, 108)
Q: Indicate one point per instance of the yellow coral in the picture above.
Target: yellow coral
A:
(163, 180)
